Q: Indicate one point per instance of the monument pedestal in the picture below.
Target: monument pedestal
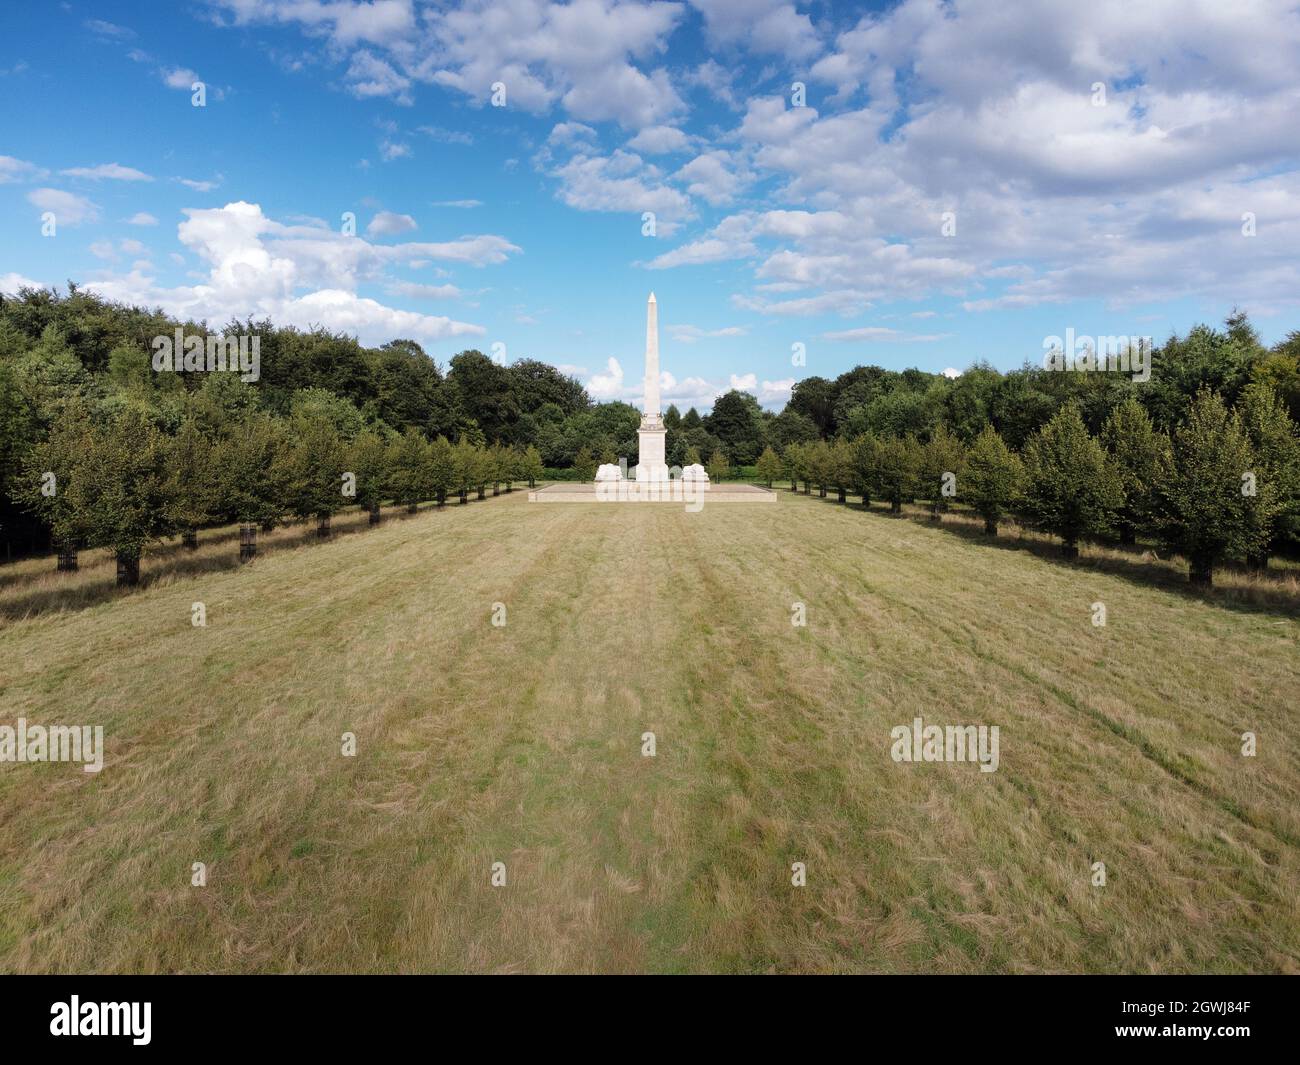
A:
(652, 440)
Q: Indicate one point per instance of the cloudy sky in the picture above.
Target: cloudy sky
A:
(913, 184)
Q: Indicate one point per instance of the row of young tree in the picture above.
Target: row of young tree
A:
(111, 478)
(1223, 485)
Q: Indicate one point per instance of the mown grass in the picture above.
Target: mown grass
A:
(522, 744)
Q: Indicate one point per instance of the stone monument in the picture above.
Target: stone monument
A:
(652, 436)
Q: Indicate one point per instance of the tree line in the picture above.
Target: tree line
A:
(1223, 485)
(112, 478)
(57, 350)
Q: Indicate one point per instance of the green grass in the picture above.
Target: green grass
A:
(521, 744)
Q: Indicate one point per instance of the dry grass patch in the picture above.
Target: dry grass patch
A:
(521, 744)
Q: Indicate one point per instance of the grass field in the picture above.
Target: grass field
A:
(522, 744)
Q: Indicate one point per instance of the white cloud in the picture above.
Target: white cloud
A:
(772, 26)
(201, 186)
(660, 140)
(179, 78)
(296, 274)
(12, 170)
(457, 203)
(68, 208)
(369, 75)
(142, 218)
(879, 334)
(387, 224)
(111, 171)
(10, 283)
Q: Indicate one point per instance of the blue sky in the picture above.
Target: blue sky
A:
(775, 224)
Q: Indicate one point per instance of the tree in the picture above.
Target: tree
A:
(1273, 439)
(841, 468)
(250, 479)
(119, 490)
(191, 482)
(942, 460)
(897, 465)
(1134, 448)
(368, 462)
(737, 421)
(693, 455)
(796, 460)
(408, 464)
(1206, 509)
(441, 474)
(992, 479)
(769, 466)
(719, 468)
(865, 463)
(484, 470)
(314, 470)
(584, 465)
(1071, 488)
(818, 465)
(463, 468)
(48, 472)
(532, 465)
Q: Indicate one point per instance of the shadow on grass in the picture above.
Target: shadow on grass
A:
(1248, 591)
(96, 581)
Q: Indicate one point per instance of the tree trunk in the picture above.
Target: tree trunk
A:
(991, 526)
(866, 500)
(128, 569)
(1258, 561)
(806, 487)
(482, 492)
(1201, 572)
(843, 495)
(1070, 549)
(496, 489)
(1128, 536)
(934, 510)
(895, 506)
(323, 526)
(794, 485)
(532, 482)
(268, 526)
(821, 491)
(67, 558)
(442, 498)
(375, 516)
(247, 542)
(464, 495)
(190, 539)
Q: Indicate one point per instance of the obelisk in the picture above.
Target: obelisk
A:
(652, 436)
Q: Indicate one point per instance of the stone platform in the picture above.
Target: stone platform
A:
(630, 491)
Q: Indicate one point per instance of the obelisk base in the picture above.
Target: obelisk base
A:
(651, 449)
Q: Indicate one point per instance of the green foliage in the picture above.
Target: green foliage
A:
(719, 469)
(769, 466)
(1276, 447)
(409, 468)
(1070, 488)
(942, 461)
(314, 465)
(118, 488)
(191, 486)
(992, 479)
(584, 465)
(1135, 450)
(1203, 513)
(898, 462)
(367, 460)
